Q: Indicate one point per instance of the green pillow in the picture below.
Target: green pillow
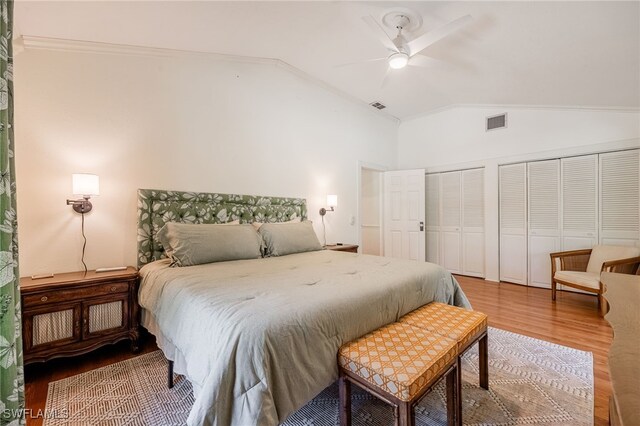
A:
(194, 244)
(287, 238)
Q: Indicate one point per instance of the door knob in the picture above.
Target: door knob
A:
(421, 226)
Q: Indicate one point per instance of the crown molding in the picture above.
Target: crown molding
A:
(520, 106)
(26, 42)
(81, 46)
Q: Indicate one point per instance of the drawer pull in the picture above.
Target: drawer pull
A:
(114, 288)
(44, 298)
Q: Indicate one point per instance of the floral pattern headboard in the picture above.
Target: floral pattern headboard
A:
(157, 207)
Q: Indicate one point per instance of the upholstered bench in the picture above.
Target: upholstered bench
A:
(398, 363)
(463, 326)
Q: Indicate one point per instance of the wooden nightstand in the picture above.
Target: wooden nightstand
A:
(351, 248)
(74, 313)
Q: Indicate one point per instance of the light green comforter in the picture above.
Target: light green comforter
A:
(260, 337)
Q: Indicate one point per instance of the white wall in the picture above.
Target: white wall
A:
(371, 211)
(185, 123)
(456, 138)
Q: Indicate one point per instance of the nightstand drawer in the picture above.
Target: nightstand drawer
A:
(53, 296)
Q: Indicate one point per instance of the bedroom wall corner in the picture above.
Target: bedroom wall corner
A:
(188, 122)
(455, 139)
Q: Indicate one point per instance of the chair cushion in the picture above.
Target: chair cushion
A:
(585, 279)
(459, 324)
(601, 254)
(398, 359)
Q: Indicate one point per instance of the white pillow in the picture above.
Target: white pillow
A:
(194, 244)
(257, 225)
(287, 238)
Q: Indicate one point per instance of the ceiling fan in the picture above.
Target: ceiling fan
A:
(404, 52)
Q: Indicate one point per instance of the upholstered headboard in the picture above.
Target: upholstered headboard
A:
(157, 207)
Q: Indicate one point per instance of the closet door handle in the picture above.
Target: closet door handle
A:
(421, 226)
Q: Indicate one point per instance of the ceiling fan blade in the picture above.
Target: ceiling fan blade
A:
(386, 78)
(380, 33)
(419, 44)
(361, 62)
(423, 61)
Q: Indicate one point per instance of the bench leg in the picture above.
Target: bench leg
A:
(454, 397)
(406, 415)
(344, 390)
(483, 350)
(170, 375)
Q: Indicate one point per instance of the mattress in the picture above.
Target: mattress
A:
(258, 338)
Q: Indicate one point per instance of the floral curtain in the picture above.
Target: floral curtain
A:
(11, 370)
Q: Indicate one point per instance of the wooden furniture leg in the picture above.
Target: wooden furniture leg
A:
(457, 407)
(483, 350)
(344, 390)
(406, 416)
(170, 375)
(602, 304)
(454, 402)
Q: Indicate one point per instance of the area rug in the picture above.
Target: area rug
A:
(532, 382)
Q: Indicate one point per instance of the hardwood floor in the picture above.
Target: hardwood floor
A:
(572, 321)
(38, 376)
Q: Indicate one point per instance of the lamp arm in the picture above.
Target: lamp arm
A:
(82, 205)
(324, 211)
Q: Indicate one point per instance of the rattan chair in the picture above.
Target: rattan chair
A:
(581, 269)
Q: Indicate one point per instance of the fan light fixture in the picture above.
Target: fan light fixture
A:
(398, 60)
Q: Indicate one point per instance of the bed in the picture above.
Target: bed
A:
(258, 338)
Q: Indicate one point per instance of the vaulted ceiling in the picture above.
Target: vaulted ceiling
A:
(583, 54)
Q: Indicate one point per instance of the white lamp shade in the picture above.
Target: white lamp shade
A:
(85, 184)
(332, 201)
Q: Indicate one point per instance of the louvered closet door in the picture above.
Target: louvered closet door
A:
(579, 202)
(620, 198)
(513, 223)
(544, 219)
(432, 196)
(473, 222)
(451, 221)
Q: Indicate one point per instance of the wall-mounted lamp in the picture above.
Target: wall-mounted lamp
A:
(84, 185)
(332, 203)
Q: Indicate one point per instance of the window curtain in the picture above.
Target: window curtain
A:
(11, 370)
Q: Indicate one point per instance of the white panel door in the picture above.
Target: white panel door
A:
(432, 189)
(473, 222)
(543, 180)
(404, 214)
(620, 198)
(579, 202)
(451, 221)
(513, 223)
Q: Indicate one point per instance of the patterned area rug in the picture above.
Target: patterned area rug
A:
(531, 382)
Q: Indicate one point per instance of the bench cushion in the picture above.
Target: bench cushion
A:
(456, 323)
(398, 359)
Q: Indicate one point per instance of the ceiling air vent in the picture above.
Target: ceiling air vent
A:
(497, 122)
(377, 105)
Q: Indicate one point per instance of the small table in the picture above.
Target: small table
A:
(74, 313)
(351, 248)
